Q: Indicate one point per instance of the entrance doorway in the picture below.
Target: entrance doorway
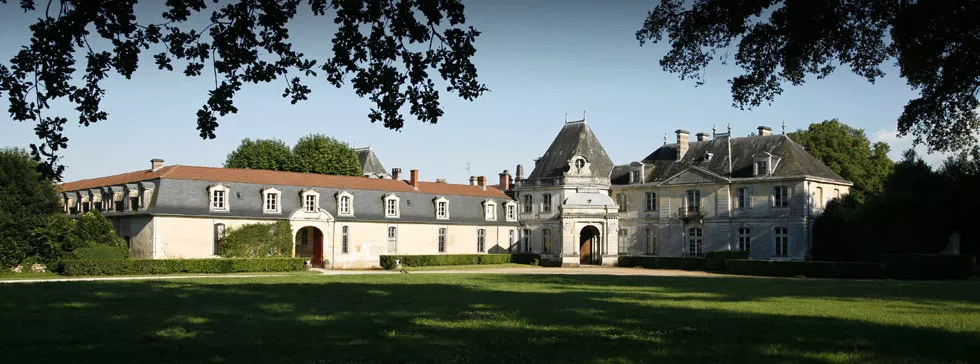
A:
(309, 244)
(589, 250)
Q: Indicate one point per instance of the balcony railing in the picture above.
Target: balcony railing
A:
(689, 211)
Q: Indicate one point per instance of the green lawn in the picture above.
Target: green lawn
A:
(490, 318)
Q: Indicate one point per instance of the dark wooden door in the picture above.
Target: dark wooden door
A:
(585, 251)
(317, 261)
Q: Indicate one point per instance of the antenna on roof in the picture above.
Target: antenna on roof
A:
(784, 127)
(714, 130)
(583, 115)
(665, 138)
(729, 129)
(566, 117)
(468, 173)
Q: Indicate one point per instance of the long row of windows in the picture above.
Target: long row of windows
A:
(133, 200)
(695, 240)
(780, 199)
(546, 203)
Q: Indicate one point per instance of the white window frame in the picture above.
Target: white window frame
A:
(344, 239)
(528, 204)
(443, 203)
(441, 243)
(742, 197)
(276, 196)
(692, 201)
(546, 202)
(481, 240)
(393, 200)
(526, 240)
(651, 201)
(623, 241)
(780, 236)
(490, 210)
(782, 192)
(213, 198)
(818, 197)
(304, 197)
(219, 236)
(392, 239)
(345, 209)
(744, 239)
(510, 208)
(651, 243)
(695, 245)
(622, 201)
(546, 240)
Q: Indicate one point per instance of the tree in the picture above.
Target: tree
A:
(849, 153)
(387, 50)
(271, 154)
(317, 153)
(25, 198)
(935, 44)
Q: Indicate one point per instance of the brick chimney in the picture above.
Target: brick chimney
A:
(415, 179)
(156, 164)
(481, 181)
(765, 130)
(396, 173)
(681, 143)
(702, 137)
(505, 180)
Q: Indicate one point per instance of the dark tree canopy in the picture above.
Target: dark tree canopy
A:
(271, 154)
(389, 51)
(849, 153)
(935, 44)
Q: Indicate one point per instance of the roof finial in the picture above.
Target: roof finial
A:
(729, 129)
(583, 115)
(784, 127)
(665, 138)
(714, 130)
(566, 117)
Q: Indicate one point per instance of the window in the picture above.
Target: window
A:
(546, 240)
(145, 199)
(218, 200)
(511, 211)
(580, 163)
(391, 206)
(546, 202)
(442, 240)
(490, 210)
(741, 198)
(762, 168)
(819, 198)
(345, 204)
(693, 201)
(695, 242)
(442, 208)
(780, 196)
(651, 242)
(344, 239)
(304, 237)
(782, 241)
(528, 204)
(635, 176)
(744, 239)
(651, 199)
(510, 239)
(527, 240)
(134, 200)
(623, 242)
(481, 239)
(219, 235)
(309, 203)
(621, 201)
(836, 193)
(271, 197)
(392, 239)
(310, 200)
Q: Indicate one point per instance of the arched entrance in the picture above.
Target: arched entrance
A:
(309, 244)
(589, 247)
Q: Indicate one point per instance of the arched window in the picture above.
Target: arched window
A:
(219, 235)
(782, 241)
(695, 241)
(442, 240)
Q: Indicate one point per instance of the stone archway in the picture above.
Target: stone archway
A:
(308, 243)
(589, 245)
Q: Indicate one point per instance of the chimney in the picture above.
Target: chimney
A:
(505, 180)
(702, 137)
(520, 172)
(396, 173)
(156, 164)
(472, 180)
(415, 178)
(482, 182)
(765, 130)
(681, 143)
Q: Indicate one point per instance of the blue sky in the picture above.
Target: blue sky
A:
(540, 60)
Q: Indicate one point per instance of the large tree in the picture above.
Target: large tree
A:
(270, 154)
(317, 153)
(389, 51)
(934, 42)
(849, 153)
(26, 198)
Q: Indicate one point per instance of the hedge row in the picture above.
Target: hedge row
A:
(927, 266)
(389, 261)
(777, 268)
(169, 266)
(715, 261)
(663, 263)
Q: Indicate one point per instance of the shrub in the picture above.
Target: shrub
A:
(525, 258)
(662, 262)
(388, 261)
(258, 241)
(170, 266)
(927, 266)
(781, 268)
(715, 260)
(101, 252)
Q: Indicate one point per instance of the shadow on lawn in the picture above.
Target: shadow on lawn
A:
(423, 319)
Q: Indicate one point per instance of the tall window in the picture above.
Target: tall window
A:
(546, 202)
(391, 206)
(511, 212)
(836, 193)
(635, 176)
(510, 239)
(695, 242)
(481, 240)
(528, 204)
(344, 205)
(780, 196)
(309, 203)
(819, 198)
(546, 240)
(651, 200)
(651, 242)
(621, 201)
(741, 198)
(442, 210)
(134, 201)
(623, 242)
(218, 199)
(219, 235)
(392, 239)
(693, 201)
(344, 239)
(490, 210)
(526, 239)
(442, 240)
(744, 239)
(271, 202)
(782, 241)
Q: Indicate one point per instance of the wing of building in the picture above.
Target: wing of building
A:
(370, 164)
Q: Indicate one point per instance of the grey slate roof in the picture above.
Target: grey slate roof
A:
(575, 138)
(794, 160)
(370, 164)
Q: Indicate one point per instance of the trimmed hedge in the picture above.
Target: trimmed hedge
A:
(169, 266)
(715, 260)
(927, 266)
(388, 261)
(663, 262)
(782, 268)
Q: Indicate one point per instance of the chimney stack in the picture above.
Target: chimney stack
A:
(505, 181)
(472, 180)
(520, 172)
(681, 143)
(156, 164)
(702, 137)
(482, 182)
(396, 173)
(415, 178)
(765, 130)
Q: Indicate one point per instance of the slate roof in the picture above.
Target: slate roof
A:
(575, 138)
(370, 164)
(794, 160)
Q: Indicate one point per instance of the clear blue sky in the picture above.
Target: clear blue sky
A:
(540, 60)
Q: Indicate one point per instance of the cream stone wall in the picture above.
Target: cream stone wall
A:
(193, 237)
(138, 230)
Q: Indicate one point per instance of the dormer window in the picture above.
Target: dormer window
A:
(490, 210)
(219, 197)
(345, 204)
(510, 211)
(636, 172)
(442, 208)
(271, 200)
(391, 206)
(762, 168)
(311, 200)
(579, 163)
(764, 163)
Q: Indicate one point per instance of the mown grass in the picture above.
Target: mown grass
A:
(470, 267)
(490, 318)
